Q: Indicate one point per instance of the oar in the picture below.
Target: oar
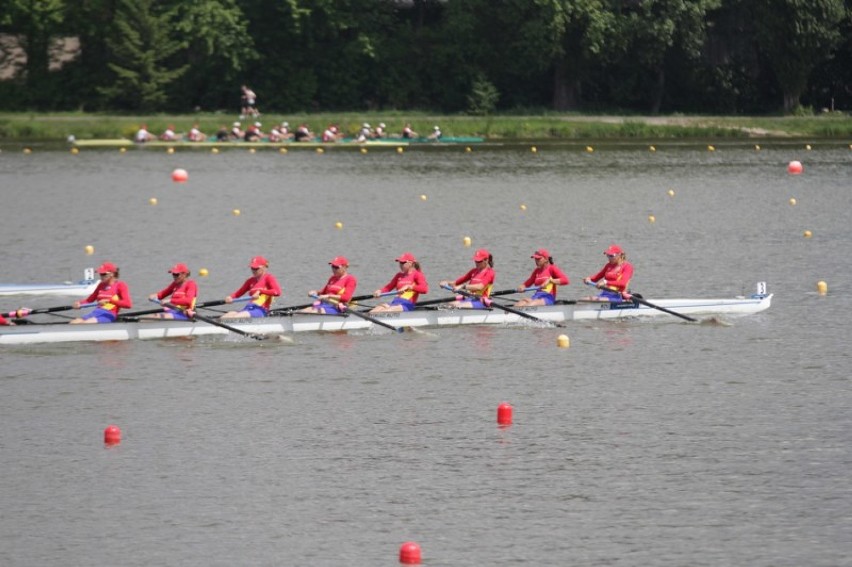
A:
(215, 322)
(131, 314)
(363, 316)
(506, 309)
(638, 299)
(493, 294)
(24, 312)
(281, 310)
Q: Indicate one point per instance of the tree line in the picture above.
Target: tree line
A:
(475, 56)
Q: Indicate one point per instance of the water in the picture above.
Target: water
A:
(644, 443)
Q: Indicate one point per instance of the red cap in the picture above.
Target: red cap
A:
(258, 262)
(481, 254)
(613, 250)
(541, 253)
(339, 261)
(107, 267)
(179, 269)
(407, 257)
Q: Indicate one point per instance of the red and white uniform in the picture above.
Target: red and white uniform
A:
(540, 278)
(266, 286)
(3, 320)
(343, 287)
(414, 278)
(195, 135)
(616, 276)
(485, 276)
(115, 295)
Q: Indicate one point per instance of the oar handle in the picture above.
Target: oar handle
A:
(25, 311)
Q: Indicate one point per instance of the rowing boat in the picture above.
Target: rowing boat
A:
(214, 143)
(82, 287)
(302, 322)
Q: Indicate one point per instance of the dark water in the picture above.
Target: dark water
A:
(644, 443)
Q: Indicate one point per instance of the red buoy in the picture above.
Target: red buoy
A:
(180, 176)
(409, 553)
(112, 435)
(795, 168)
(504, 414)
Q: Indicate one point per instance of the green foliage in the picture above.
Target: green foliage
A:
(141, 46)
(483, 97)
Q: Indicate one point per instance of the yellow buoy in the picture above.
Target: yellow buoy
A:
(652, 149)
(399, 150)
(822, 287)
(466, 240)
(363, 150)
(28, 151)
(75, 151)
(423, 197)
(338, 225)
(122, 150)
(711, 148)
(808, 147)
(282, 150)
(671, 193)
(236, 212)
(214, 150)
(153, 200)
(562, 341)
(533, 149)
(757, 147)
(252, 150)
(320, 151)
(467, 149)
(89, 249)
(652, 219)
(590, 149)
(523, 207)
(793, 200)
(203, 272)
(808, 234)
(170, 151)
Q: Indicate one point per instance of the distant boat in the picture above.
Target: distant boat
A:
(82, 287)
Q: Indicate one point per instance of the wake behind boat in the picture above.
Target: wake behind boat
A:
(300, 322)
(81, 287)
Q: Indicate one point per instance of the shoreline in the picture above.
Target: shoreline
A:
(555, 128)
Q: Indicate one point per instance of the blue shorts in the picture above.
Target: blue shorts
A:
(178, 315)
(611, 296)
(328, 308)
(407, 305)
(474, 303)
(255, 310)
(547, 297)
(101, 316)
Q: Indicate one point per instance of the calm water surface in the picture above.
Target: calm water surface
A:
(663, 443)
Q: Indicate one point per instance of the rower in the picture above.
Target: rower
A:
(334, 297)
(110, 294)
(477, 282)
(408, 283)
(546, 276)
(613, 278)
(183, 292)
(261, 286)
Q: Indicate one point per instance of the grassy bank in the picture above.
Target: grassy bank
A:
(58, 126)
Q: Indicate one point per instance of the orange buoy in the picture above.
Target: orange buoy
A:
(180, 176)
(112, 435)
(504, 414)
(409, 553)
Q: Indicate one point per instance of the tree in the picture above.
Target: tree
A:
(141, 49)
(796, 36)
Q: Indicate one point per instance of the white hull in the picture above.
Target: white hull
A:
(80, 288)
(297, 323)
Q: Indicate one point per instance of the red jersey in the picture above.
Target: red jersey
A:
(485, 276)
(414, 278)
(341, 286)
(540, 278)
(3, 320)
(615, 275)
(266, 286)
(116, 295)
(183, 294)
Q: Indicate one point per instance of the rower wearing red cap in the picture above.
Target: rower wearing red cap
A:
(546, 276)
(614, 277)
(261, 286)
(408, 283)
(110, 294)
(478, 282)
(338, 290)
(183, 292)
